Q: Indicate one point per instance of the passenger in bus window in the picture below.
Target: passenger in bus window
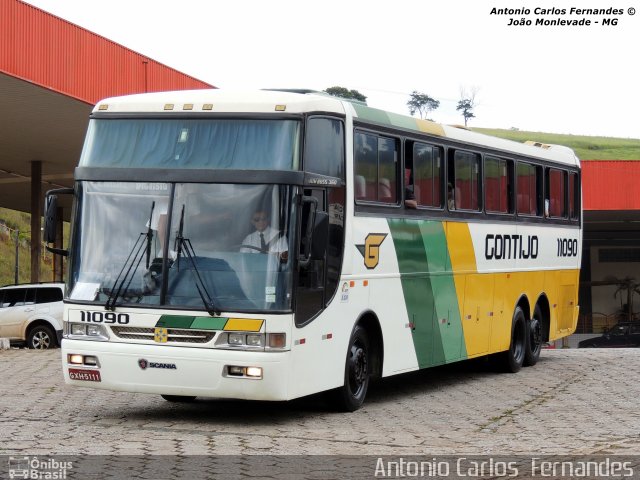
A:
(451, 202)
(265, 239)
(409, 195)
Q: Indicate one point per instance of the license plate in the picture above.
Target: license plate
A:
(86, 375)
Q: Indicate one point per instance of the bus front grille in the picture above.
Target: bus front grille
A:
(174, 335)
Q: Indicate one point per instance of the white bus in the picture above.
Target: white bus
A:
(389, 244)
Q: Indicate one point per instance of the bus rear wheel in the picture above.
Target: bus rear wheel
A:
(350, 396)
(534, 339)
(513, 359)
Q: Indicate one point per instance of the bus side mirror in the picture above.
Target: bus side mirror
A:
(51, 218)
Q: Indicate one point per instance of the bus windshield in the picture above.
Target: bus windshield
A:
(226, 246)
(192, 143)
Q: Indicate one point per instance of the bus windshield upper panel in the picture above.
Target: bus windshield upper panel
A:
(192, 143)
(212, 247)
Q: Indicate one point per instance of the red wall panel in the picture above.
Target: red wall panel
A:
(46, 50)
(611, 184)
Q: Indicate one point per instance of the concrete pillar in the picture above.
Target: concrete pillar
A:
(36, 213)
(58, 260)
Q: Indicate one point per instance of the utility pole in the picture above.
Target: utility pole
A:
(17, 253)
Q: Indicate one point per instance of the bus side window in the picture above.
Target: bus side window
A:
(464, 177)
(555, 197)
(428, 174)
(377, 162)
(529, 189)
(574, 196)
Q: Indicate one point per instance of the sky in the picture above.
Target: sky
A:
(580, 80)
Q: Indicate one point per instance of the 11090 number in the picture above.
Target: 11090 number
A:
(104, 317)
(567, 247)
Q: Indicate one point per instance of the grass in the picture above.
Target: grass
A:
(10, 221)
(587, 148)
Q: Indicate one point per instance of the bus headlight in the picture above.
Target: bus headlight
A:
(82, 331)
(95, 330)
(252, 341)
(235, 371)
(78, 329)
(236, 339)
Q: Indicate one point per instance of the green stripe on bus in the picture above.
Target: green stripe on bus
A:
(447, 314)
(175, 321)
(429, 290)
(209, 323)
(371, 114)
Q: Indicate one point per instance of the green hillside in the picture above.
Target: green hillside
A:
(586, 148)
(10, 222)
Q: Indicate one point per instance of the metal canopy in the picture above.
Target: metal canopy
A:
(37, 124)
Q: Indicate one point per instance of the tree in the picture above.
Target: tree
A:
(346, 93)
(421, 103)
(467, 103)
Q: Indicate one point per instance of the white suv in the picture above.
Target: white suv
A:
(32, 314)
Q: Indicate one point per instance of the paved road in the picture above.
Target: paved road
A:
(573, 402)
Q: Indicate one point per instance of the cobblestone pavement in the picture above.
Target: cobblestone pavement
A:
(574, 402)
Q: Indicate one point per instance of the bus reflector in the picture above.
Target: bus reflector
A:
(281, 108)
(207, 106)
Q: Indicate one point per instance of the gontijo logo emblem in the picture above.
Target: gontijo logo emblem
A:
(160, 335)
(371, 249)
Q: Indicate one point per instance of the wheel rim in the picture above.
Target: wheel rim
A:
(358, 369)
(535, 334)
(41, 341)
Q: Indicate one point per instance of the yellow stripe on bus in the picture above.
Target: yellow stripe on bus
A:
(243, 325)
(430, 127)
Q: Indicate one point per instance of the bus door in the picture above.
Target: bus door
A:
(318, 281)
(310, 286)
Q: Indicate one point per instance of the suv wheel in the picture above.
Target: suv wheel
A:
(41, 337)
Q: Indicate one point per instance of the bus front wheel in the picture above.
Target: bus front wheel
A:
(351, 395)
(513, 358)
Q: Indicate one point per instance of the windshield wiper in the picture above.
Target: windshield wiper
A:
(139, 255)
(184, 244)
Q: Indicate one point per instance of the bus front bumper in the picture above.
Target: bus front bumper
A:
(170, 370)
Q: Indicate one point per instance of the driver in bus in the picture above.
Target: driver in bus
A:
(265, 239)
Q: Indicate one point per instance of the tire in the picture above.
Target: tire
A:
(178, 398)
(41, 337)
(350, 396)
(513, 359)
(534, 339)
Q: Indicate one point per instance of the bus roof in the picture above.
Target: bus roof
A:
(301, 101)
